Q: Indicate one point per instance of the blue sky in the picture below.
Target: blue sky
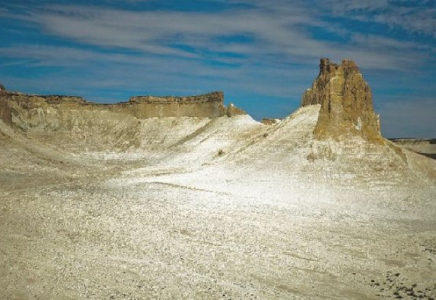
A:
(262, 54)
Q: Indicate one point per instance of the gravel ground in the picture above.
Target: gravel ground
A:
(228, 236)
(254, 221)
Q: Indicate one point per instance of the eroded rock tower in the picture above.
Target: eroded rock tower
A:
(346, 103)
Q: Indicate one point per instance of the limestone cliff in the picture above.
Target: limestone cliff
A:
(30, 111)
(346, 103)
(209, 105)
(73, 123)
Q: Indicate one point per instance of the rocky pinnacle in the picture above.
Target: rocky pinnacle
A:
(346, 103)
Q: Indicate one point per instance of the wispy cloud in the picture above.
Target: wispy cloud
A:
(252, 49)
(412, 16)
(195, 35)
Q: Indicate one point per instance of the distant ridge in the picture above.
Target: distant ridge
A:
(426, 147)
(210, 105)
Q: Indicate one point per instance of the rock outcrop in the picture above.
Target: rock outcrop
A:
(232, 111)
(73, 123)
(5, 111)
(209, 105)
(346, 103)
(30, 111)
(268, 121)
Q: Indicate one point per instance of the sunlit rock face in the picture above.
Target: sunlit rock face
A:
(346, 103)
(72, 123)
(232, 111)
(209, 105)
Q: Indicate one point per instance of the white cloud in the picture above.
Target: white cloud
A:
(193, 51)
(415, 17)
(413, 20)
(277, 30)
(148, 74)
(344, 7)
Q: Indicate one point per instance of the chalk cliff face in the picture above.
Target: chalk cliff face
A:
(346, 103)
(73, 123)
(24, 110)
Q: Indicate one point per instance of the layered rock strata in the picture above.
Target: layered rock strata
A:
(28, 111)
(346, 103)
(209, 105)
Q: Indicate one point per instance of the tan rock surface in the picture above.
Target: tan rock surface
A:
(26, 107)
(268, 121)
(72, 123)
(232, 111)
(346, 103)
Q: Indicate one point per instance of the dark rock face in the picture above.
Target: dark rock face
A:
(5, 110)
(346, 103)
(267, 121)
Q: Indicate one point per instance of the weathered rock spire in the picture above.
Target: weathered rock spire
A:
(346, 102)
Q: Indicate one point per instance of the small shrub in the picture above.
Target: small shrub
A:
(311, 157)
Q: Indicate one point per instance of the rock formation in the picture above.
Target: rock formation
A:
(31, 111)
(5, 111)
(209, 105)
(232, 111)
(346, 103)
(269, 121)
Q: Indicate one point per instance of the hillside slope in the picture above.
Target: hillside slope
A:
(98, 204)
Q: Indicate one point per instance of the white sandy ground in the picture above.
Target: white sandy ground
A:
(180, 219)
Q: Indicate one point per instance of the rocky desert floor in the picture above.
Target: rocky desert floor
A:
(206, 224)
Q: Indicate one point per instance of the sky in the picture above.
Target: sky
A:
(262, 54)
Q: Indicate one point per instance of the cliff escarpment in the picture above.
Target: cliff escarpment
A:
(26, 111)
(73, 123)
